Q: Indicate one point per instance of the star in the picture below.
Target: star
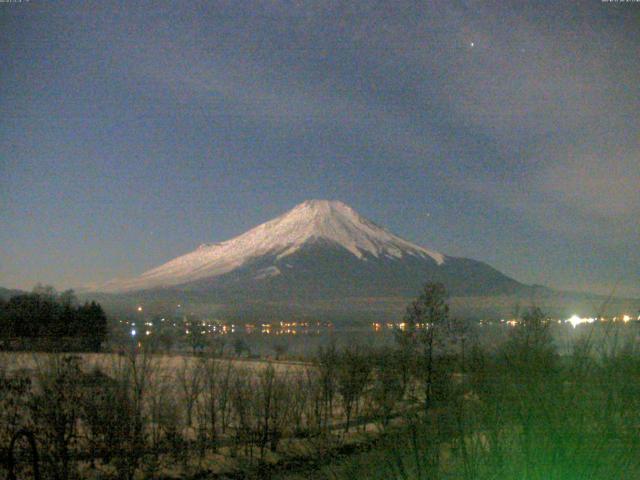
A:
(472, 44)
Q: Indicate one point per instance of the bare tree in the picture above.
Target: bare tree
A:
(272, 407)
(280, 349)
(190, 380)
(15, 391)
(242, 396)
(426, 324)
(387, 386)
(166, 423)
(313, 415)
(133, 373)
(224, 399)
(354, 368)
(299, 401)
(214, 398)
(326, 362)
(56, 411)
(241, 346)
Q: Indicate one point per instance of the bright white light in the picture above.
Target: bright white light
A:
(576, 320)
(148, 332)
(626, 318)
(139, 309)
(133, 332)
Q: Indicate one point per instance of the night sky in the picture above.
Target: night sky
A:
(131, 132)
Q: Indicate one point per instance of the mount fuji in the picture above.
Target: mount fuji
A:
(318, 251)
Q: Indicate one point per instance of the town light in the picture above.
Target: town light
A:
(576, 320)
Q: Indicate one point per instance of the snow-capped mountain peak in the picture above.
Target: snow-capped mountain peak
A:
(308, 222)
(339, 223)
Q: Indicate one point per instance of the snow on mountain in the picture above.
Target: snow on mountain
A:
(308, 222)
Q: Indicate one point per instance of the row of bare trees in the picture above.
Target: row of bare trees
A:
(141, 411)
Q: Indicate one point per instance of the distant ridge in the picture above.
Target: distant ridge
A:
(7, 293)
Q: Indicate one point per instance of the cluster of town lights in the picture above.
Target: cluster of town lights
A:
(575, 320)
(303, 327)
(217, 327)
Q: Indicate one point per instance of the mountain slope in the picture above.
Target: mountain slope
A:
(318, 250)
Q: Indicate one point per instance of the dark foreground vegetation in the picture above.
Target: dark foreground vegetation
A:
(438, 405)
(47, 320)
(522, 412)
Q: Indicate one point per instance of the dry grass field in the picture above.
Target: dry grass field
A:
(166, 364)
